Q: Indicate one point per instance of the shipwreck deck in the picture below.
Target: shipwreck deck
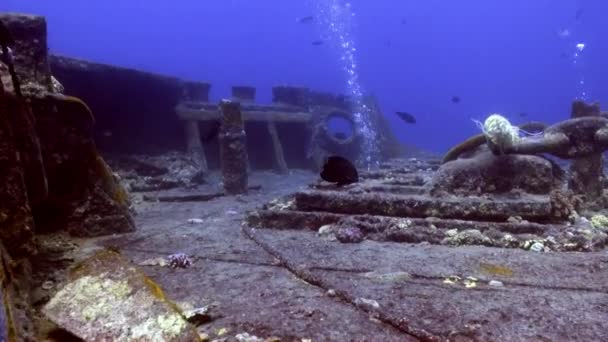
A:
(295, 285)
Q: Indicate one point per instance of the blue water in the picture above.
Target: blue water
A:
(497, 56)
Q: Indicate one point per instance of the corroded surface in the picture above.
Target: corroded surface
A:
(244, 287)
(495, 174)
(106, 298)
(424, 290)
(15, 315)
(422, 206)
(16, 222)
(294, 283)
(30, 50)
(233, 148)
(465, 202)
(83, 194)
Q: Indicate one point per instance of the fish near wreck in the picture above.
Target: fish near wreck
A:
(406, 117)
(339, 170)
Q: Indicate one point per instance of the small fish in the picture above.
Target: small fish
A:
(339, 170)
(579, 13)
(407, 117)
(317, 42)
(403, 21)
(455, 99)
(306, 20)
(388, 43)
(523, 114)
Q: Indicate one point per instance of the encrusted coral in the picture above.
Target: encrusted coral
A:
(120, 303)
(600, 222)
(564, 204)
(499, 131)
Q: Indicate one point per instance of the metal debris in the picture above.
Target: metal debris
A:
(495, 283)
(246, 337)
(367, 304)
(162, 262)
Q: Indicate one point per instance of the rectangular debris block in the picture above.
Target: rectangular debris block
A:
(30, 49)
(470, 208)
(108, 299)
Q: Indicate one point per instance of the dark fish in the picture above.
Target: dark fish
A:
(317, 42)
(579, 13)
(306, 20)
(340, 171)
(388, 43)
(563, 55)
(403, 21)
(455, 99)
(212, 131)
(523, 114)
(407, 117)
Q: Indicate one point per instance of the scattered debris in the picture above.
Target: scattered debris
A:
(198, 316)
(162, 262)
(388, 277)
(191, 197)
(495, 283)
(495, 270)
(468, 237)
(452, 280)
(367, 304)
(246, 337)
(153, 173)
(349, 235)
(180, 260)
(327, 232)
(470, 282)
(280, 204)
(534, 246)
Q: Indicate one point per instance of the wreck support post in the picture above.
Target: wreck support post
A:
(198, 92)
(233, 148)
(279, 156)
(587, 172)
(195, 145)
(244, 95)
